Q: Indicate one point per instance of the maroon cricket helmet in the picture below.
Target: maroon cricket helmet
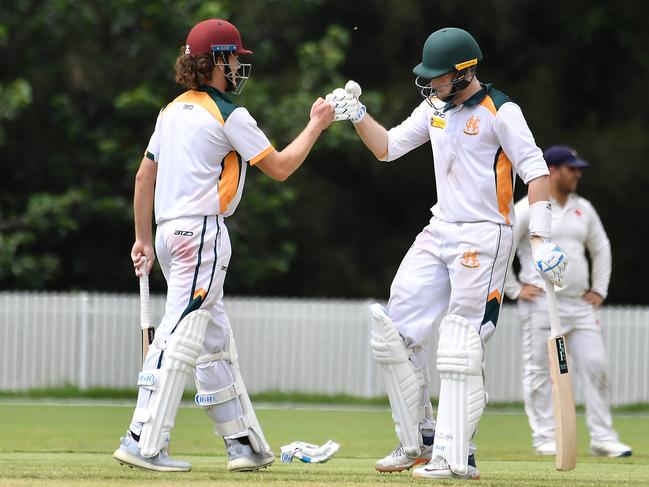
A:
(214, 35)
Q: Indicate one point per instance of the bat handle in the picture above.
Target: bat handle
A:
(145, 300)
(555, 324)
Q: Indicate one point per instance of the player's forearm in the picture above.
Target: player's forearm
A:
(143, 206)
(512, 286)
(601, 270)
(538, 190)
(374, 136)
(296, 152)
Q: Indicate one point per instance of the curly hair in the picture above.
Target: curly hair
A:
(193, 71)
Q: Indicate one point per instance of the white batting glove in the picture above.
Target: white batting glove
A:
(549, 260)
(346, 104)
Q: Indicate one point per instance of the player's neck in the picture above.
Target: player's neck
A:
(468, 92)
(218, 79)
(559, 197)
(220, 85)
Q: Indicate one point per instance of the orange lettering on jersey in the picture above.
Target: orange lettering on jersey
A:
(470, 259)
(472, 126)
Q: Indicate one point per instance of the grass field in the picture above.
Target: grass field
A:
(44, 444)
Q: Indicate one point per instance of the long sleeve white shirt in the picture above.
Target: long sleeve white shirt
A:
(576, 227)
(478, 148)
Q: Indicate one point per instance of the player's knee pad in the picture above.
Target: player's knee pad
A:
(167, 383)
(245, 424)
(403, 381)
(462, 396)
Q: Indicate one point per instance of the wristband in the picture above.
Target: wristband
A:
(359, 114)
(541, 219)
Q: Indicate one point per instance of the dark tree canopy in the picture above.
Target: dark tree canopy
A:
(82, 82)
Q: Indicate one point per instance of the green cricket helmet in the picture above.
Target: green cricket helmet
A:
(448, 50)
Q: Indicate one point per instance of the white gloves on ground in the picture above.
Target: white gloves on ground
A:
(308, 452)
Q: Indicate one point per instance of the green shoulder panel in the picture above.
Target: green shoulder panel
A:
(223, 102)
(498, 98)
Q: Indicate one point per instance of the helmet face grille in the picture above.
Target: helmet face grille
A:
(236, 78)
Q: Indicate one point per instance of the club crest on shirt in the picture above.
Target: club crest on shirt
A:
(578, 212)
(472, 126)
(470, 259)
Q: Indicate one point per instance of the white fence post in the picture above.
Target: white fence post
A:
(84, 334)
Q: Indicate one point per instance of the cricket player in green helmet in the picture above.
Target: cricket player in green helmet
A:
(456, 267)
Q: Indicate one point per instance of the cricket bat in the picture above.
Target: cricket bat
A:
(148, 331)
(563, 401)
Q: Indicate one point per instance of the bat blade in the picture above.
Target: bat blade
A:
(565, 421)
(563, 401)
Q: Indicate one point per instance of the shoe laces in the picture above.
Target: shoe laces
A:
(437, 463)
(398, 451)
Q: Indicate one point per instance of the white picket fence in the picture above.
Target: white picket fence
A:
(289, 345)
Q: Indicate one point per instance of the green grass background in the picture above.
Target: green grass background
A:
(61, 444)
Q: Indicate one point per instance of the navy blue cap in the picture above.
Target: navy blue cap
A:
(562, 155)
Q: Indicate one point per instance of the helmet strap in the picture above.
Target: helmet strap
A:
(460, 81)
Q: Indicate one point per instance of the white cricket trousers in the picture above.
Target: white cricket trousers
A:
(456, 268)
(587, 356)
(194, 254)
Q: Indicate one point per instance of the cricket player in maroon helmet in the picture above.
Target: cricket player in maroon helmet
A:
(192, 177)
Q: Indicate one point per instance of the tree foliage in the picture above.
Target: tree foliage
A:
(82, 82)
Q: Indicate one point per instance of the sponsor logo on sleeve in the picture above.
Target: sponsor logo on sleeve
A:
(437, 120)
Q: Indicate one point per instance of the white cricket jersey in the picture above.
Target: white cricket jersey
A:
(576, 227)
(203, 144)
(478, 147)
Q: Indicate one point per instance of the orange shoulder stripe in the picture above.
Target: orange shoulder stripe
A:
(203, 99)
(488, 103)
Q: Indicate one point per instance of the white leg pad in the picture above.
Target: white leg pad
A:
(462, 396)
(246, 425)
(403, 381)
(257, 440)
(182, 349)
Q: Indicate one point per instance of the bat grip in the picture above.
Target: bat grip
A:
(145, 300)
(555, 324)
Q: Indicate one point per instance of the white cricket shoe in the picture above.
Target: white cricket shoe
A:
(242, 458)
(398, 461)
(438, 469)
(128, 454)
(610, 449)
(547, 448)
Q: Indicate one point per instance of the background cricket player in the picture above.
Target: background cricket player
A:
(576, 227)
(194, 168)
(457, 264)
